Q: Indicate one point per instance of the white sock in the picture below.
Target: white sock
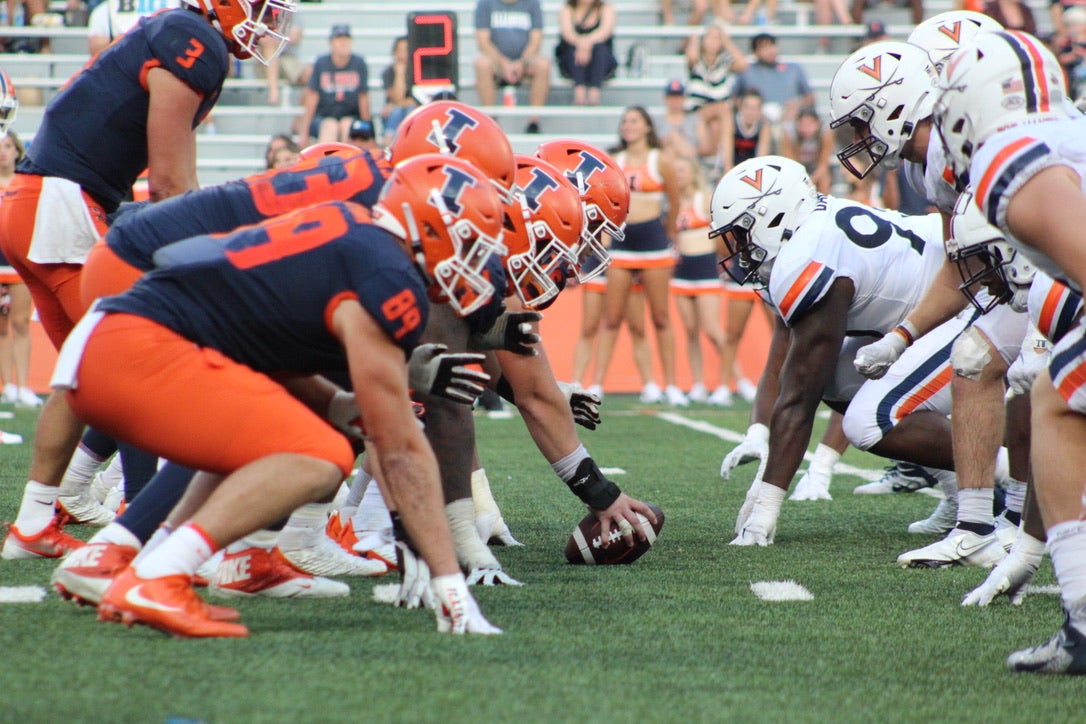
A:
(948, 482)
(305, 527)
(81, 469)
(480, 492)
(263, 539)
(113, 475)
(161, 533)
(373, 512)
(1067, 547)
(354, 495)
(119, 535)
(37, 508)
(975, 506)
(825, 457)
(1016, 495)
(180, 554)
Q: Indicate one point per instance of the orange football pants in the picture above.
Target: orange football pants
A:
(192, 405)
(105, 274)
(54, 287)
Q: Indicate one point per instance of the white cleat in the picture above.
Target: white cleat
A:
(326, 558)
(83, 508)
(899, 478)
(1005, 531)
(940, 521)
(651, 394)
(747, 390)
(675, 397)
(959, 548)
(698, 393)
(721, 397)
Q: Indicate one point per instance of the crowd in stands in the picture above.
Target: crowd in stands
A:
(733, 104)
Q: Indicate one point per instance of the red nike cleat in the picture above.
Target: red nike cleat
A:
(51, 542)
(87, 572)
(169, 604)
(260, 572)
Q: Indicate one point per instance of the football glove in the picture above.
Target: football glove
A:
(1033, 358)
(584, 405)
(874, 359)
(1011, 575)
(455, 608)
(491, 577)
(344, 415)
(434, 371)
(755, 446)
(415, 590)
(512, 332)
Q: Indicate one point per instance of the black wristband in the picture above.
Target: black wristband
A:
(588, 484)
(399, 532)
(503, 388)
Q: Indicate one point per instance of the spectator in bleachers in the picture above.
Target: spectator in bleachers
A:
(810, 142)
(275, 144)
(712, 63)
(15, 319)
(746, 134)
(678, 129)
(398, 103)
(916, 9)
(1071, 48)
(337, 92)
(754, 12)
(22, 12)
(284, 157)
(783, 86)
(363, 135)
(287, 66)
(509, 36)
(1012, 15)
(1056, 9)
(114, 17)
(698, 8)
(585, 54)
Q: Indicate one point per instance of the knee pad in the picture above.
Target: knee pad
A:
(970, 354)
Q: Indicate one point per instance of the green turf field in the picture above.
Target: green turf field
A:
(676, 637)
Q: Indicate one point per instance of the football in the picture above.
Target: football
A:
(585, 543)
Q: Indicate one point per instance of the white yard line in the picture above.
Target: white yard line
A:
(22, 594)
(727, 435)
(780, 591)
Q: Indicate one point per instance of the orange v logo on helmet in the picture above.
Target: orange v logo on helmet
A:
(952, 31)
(755, 180)
(874, 70)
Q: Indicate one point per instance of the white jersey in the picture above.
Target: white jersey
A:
(889, 257)
(1053, 306)
(1011, 157)
(932, 179)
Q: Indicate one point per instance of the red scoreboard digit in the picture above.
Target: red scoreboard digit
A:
(432, 51)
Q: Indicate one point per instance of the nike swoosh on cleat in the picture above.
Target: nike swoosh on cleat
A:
(136, 598)
(965, 551)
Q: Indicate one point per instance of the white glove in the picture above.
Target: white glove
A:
(874, 359)
(1032, 359)
(512, 331)
(344, 415)
(433, 371)
(415, 590)
(584, 405)
(757, 524)
(815, 483)
(456, 610)
(491, 577)
(1011, 576)
(755, 446)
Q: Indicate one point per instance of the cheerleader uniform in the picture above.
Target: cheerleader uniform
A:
(697, 271)
(646, 245)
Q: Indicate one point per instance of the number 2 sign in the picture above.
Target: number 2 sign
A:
(432, 51)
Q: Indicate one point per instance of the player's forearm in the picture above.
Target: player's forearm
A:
(541, 404)
(768, 383)
(941, 301)
(789, 435)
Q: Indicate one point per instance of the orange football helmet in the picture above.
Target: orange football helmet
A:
(605, 193)
(331, 148)
(458, 130)
(543, 254)
(244, 23)
(450, 216)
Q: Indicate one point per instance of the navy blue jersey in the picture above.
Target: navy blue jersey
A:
(264, 295)
(94, 131)
(136, 236)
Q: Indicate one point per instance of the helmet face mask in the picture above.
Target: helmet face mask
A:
(745, 259)
(9, 104)
(863, 155)
(986, 261)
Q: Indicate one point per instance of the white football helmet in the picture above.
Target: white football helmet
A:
(944, 33)
(756, 208)
(882, 91)
(1003, 78)
(9, 104)
(985, 260)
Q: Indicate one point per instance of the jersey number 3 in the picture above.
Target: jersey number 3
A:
(194, 51)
